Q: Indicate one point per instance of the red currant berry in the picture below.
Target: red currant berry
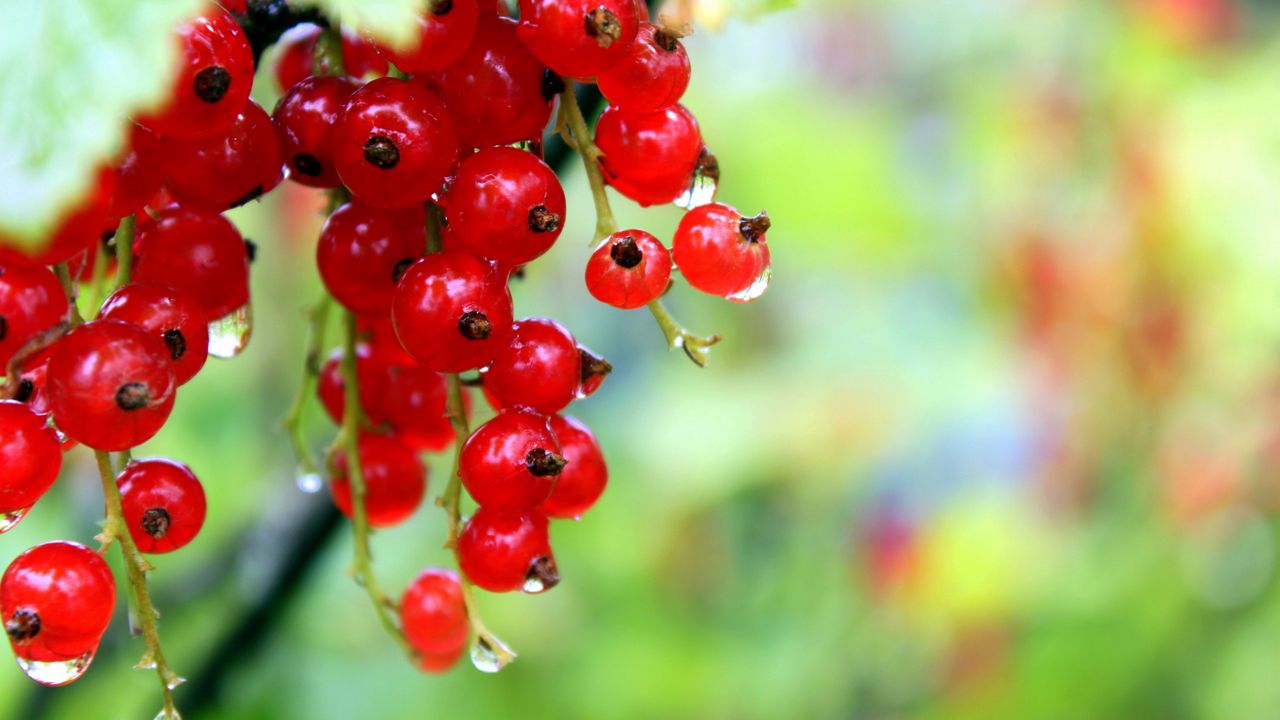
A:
(651, 77)
(433, 613)
(721, 252)
(452, 311)
(363, 251)
(31, 300)
(578, 38)
(198, 251)
(583, 479)
(213, 81)
(305, 118)
(371, 375)
(394, 143)
(171, 315)
(394, 480)
(110, 384)
(539, 368)
(163, 503)
(630, 269)
(297, 56)
(445, 31)
(56, 600)
(511, 462)
(225, 170)
(498, 93)
(30, 455)
(378, 331)
(649, 157)
(502, 551)
(33, 386)
(138, 174)
(415, 403)
(441, 662)
(505, 204)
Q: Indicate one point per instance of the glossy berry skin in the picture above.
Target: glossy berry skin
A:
(304, 119)
(578, 38)
(584, 478)
(215, 75)
(111, 385)
(505, 204)
(502, 551)
(452, 311)
(31, 300)
(414, 400)
(649, 157)
(172, 316)
(363, 251)
(652, 76)
(56, 601)
(296, 56)
(433, 614)
(498, 93)
(630, 269)
(445, 30)
(380, 334)
(511, 462)
(137, 174)
(198, 251)
(394, 480)
(163, 503)
(539, 368)
(227, 169)
(719, 251)
(371, 374)
(394, 143)
(30, 455)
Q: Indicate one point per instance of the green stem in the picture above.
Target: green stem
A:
(292, 423)
(695, 346)
(97, 280)
(124, 251)
(329, 60)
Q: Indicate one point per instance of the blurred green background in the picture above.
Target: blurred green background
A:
(1001, 441)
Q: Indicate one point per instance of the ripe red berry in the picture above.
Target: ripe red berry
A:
(305, 118)
(110, 384)
(198, 251)
(505, 204)
(649, 157)
(539, 368)
(433, 614)
(163, 503)
(378, 331)
(723, 253)
(363, 251)
(498, 93)
(371, 375)
(584, 478)
(213, 81)
(30, 455)
(628, 270)
(296, 56)
(445, 31)
(652, 76)
(415, 400)
(394, 143)
(31, 300)
(226, 169)
(578, 38)
(452, 311)
(511, 462)
(502, 551)
(138, 173)
(171, 315)
(56, 600)
(394, 480)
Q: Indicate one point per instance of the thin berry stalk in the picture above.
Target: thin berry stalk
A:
(318, 323)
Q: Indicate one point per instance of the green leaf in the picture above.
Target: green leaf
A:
(71, 71)
(391, 22)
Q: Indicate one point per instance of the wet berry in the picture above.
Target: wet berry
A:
(628, 270)
(163, 503)
(578, 38)
(721, 252)
(363, 251)
(652, 76)
(305, 118)
(433, 615)
(171, 315)
(56, 601)
(226, 169)
(30, 455)
(501, 551)
(198, 251)
(511, 462)
(452, 311)
(584, 477)
(505, 204)
(649, 157)
(539, 368)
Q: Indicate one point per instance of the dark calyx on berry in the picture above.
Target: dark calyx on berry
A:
(542, 463)
(381, 152)
(212, 83)
(251, 249)
(22, 626)
(603, 25)
(708, 166)
(664, 40)
(176, 343)
(441, 7)
(398, 271)
(543, 570)
(552, 84)
(133, 396)
(542, 219)
(593, 365)
(4, 327)
(25, 390)
(307, 164)
(625, 252)
(155, 522)
(753, 228)
(474, 326)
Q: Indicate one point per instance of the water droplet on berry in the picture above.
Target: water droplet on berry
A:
(10, 519)
(489, 654)
(755, 289)
(56, 673)
(702, 189)
(309, 482)
(533, 585)
(229, 335)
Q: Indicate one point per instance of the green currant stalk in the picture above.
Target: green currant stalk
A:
(318, 323)
(124, 251)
